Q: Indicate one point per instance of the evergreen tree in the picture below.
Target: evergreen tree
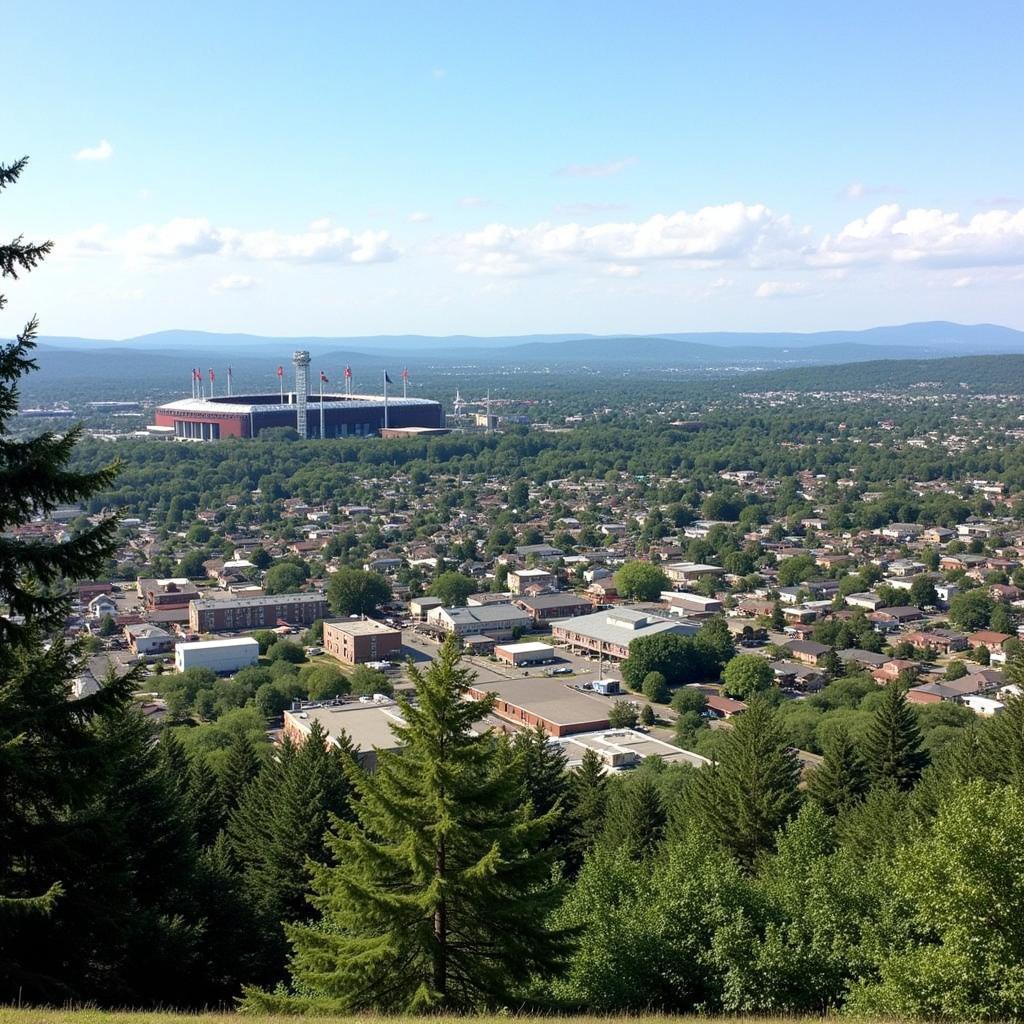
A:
(241, 766)
(51, 758)
(841, 780)
(892, 744)
(437, 897)
(744, 798)
(588, 802)
(636, 818)
(280, 827)
(542, 765)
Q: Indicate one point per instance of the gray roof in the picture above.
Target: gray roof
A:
(623, 625)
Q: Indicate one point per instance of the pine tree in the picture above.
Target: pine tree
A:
(744, 798)
(892, 746)
(241, 766)
(636, 818)
(437, 898)
(280, 827)
(841, 780)
(587, 803)
(50, 757)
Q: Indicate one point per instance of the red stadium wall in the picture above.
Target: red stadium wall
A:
(230, 426)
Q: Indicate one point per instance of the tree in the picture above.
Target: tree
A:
(655, 688)
(892, 745)
(284, 578)
(280, 826)
(923, 592)
(956, 669)
(841, 780)
(744, 798)
(285, 650)
(191, 566)
(587, 801)
(970, 610)
(49, 751)
(833, 664)
(1001, 620)
(747, 675)
(670, 654)
(107, 627)
(453, 588)
(636, 818)
(366, 680)
(957, 894)
(640, 581)
(715, 645)
(622, 715)
(647, 716)
(357, 592)
(438, 897)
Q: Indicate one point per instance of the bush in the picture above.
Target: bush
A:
(285, 650)
(622, 715)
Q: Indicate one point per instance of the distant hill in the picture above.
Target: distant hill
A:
(712, 349)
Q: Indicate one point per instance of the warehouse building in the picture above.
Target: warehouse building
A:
(525, 654)
(367, 724)
(356, 641)
(608, 634)
(221, 656)
(559, 709)
(241, 614)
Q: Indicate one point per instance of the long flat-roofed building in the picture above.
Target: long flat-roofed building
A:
(624, 748)
(558, 708)
(496, 621)
(237, 615)
(609, 633)
(367, 724)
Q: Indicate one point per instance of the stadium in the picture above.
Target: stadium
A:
(311, 415)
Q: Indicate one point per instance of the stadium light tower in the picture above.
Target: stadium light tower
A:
(300, 360)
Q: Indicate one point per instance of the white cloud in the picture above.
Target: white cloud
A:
(622, 270)
(419, 217)
(606, 170)
(103, 151)
(234, 283)
(473, 202)
(780, 289)
(934, 238)
(752, 235)
(187, 237)
(963, 282)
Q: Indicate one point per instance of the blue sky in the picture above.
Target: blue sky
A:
(497, 168)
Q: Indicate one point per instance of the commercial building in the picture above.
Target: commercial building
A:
(545, 608)
(624, 748)
(238, 615)
(690, 572)
(164, 594)
(684, 603)
(558, 708)
(354, 641)
(520, 579)
(147, 640)
(525, 654)
(366, 722)
(608, 634)
(221, 656)
(499, 622)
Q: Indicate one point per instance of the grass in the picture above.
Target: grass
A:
(91, 1016)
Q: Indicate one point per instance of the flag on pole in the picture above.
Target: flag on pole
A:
(213, 376)
(323, 378)
(348, 373)
(405, 373)
(387, 379)
(280, 371)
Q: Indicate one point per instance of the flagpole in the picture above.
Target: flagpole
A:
(193, 383)
(385, 399)
(229, 381)
(321, 405)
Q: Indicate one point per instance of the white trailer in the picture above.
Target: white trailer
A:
(221, 656)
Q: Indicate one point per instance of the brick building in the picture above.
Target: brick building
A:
(241, 614)
(355, 641)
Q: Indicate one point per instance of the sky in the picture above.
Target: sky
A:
(503, 168)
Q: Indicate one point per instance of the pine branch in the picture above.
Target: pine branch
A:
(9, 173)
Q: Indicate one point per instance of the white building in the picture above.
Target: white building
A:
(221, 656)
